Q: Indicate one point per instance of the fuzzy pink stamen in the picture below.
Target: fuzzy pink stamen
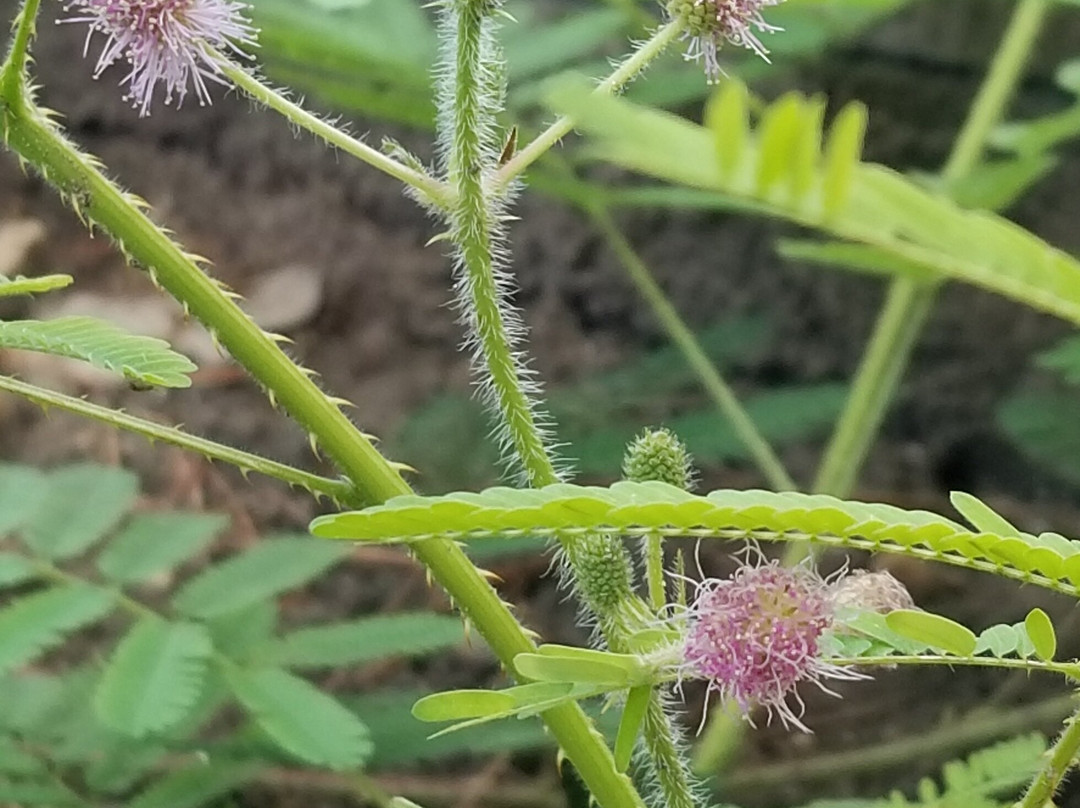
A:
(167, 42)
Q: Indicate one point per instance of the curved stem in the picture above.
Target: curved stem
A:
(429, 188)
(12, 85)
(37, 141)
(907, 306)
(909, 303)
(338, 490)
(1062, 757)
(626, 72)
(683, 338)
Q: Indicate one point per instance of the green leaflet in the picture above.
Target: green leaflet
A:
(636, 508)
(301, 719)
(154, 677)
(81, 504)
(364, 640)
(269, 568)
(152, 543)
(141, 360)
(196, 785)
(838, 195)
(35, 623)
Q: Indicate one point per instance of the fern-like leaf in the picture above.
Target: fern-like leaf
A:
(154, 676)
(35, 623)
(641, 508)
(141, 360)
(1000, 769)
(301, 719)
(153, 543)
(83, 503)
(830, 190)
(267, 569)
(365, 640)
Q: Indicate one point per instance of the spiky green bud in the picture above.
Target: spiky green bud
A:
(658, 454)
(603, 572)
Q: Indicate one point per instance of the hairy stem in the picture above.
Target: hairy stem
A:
(667, 759)
(908, 303)
(626, 72)
(429, 188)
(340, 491)
(1061, 758)
(26, 131)
(474, 93)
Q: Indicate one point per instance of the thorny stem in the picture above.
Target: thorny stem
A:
(338, 490)
(1061, 758)
(623, 75)
(909, 302)
(430, 189)
(25, 130)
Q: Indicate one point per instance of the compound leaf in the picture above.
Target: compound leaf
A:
(141, 360)
(365, 640)
(83, 503)
(270, 567)
(152, 543)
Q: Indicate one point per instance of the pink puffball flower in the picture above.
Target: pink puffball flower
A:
(170, 42)
(708, 24)
(754, 637)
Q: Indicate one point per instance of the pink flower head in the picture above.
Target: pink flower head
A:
(710, 23)
(166, 41)
(754, 637)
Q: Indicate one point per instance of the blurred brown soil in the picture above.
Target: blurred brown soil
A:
(235, 184)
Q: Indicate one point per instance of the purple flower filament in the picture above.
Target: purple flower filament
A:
(164, 41)
(755, 636)
(710, 23)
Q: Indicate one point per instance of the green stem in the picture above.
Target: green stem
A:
(474, 222)
(35, 139)
(626, 72)
(430, 189)
(907, 307)
(1062, 757)
(908, 303)
(997, 88)
(683, 338)
(654, 570)
(12, 87)
(338, 490)
(668, 760)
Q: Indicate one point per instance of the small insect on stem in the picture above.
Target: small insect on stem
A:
(509, 147)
